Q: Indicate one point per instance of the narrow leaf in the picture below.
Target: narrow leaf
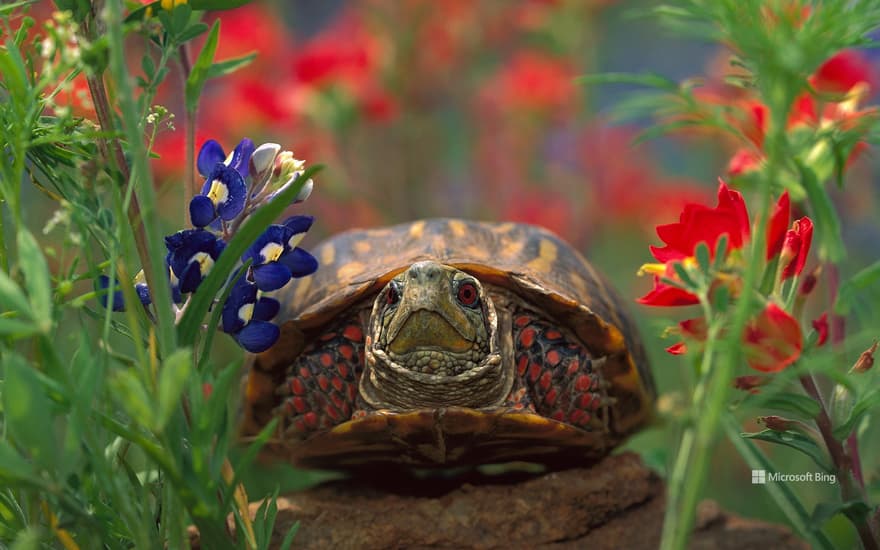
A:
(36, 274)
(26, 409)
(11, 296)
(794, 440)
(852, 291)
(130, 394)
(172, 380)
(831, 245)
(863, 405)
(824, 511)
(229, 66)
(801, 405)
(196, 80)
(647, 80)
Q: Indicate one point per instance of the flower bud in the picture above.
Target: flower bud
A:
(865, 360)
(809, 282)
(750, 383)
(263, 158)
(796, 247)
(776, 423)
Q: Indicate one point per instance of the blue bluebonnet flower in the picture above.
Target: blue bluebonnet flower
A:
(275, 256)
(104, 297)
(246, 317)
(191, 255)
(118, 299)
(224, 192)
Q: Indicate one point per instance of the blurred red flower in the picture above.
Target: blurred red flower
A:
(533, 82)
(821, 327)
(796, 247)
(773, 340)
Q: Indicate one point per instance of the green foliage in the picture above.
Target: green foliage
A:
(110, 439)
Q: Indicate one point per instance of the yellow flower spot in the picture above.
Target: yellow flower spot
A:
(218, 192)
(206, 262)
(272, 251)
(246, 313)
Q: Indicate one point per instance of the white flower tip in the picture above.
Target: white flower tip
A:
(305, 191)
(263, 157)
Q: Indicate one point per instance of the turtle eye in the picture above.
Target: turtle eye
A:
(392, 296)
(467, 294)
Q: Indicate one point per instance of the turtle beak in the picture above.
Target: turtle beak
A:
(427, 315)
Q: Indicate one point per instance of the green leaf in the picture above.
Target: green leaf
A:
(287, 542)
(720, 251)
(199, 75)
(36, 274)
(805, 407)
(217, 4)
(13, 466)
(852, 291)
(863, 405)
(130, 394)
(683, 274)
(827, 223)
(203, 297)
(229, 66)
(194, 30)
(794, 440)
(703, 257)
(856, 510)
(11, 296)
(17, 329)
(26, 409)
(787, 501)
(648, 80)
(175, 372)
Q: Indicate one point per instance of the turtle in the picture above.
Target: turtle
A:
(445, 342)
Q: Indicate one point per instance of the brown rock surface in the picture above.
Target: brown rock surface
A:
(615, 504)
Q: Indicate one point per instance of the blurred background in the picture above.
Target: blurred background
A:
(472, 109)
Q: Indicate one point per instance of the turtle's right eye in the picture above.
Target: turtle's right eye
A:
(392, 295)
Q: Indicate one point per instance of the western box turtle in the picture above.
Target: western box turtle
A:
(446, 342)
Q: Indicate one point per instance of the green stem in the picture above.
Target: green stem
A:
(156, 272)
(190, 187)
(4, 260)
(842, 463)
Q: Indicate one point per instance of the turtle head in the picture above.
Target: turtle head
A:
(433, 342)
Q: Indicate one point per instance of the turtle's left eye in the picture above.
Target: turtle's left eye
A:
(467, 294)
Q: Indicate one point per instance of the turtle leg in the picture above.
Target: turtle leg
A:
(322, 383)
(561, 379)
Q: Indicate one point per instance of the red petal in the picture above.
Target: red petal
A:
(744, 160)
(695, 328)
(778, 225)
(677, 349)
(663, 295)
(796, 247)
(843, 71)
(773, 340)
(821, 326)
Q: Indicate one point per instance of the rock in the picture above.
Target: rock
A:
(618, 503)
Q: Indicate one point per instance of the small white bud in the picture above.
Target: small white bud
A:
(263, 157)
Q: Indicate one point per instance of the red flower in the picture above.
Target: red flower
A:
(664, 295)
(821, 327)
(796, 247)
(778, 223)
(677, 349)
(532, 82)
(773, 340)
(701, 224)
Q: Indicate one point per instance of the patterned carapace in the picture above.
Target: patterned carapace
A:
(561, 373)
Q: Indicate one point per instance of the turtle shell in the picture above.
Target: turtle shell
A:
(529, 261)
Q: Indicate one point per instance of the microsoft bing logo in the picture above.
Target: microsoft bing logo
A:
(759, 477)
